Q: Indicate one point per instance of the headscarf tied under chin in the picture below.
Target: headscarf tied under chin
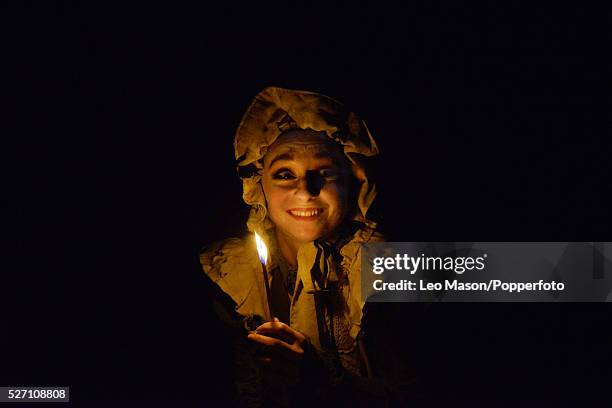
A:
(276, 110)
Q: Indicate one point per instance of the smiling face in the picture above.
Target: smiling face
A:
(306, 181)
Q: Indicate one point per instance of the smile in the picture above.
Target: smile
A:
(305, 214)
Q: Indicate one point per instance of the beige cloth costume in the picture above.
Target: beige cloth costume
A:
(233, 264)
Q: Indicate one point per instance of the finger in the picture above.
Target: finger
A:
(291, 351)
(267, 341)
(278, 327)
(277, 334)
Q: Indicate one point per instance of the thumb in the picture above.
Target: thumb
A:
(276, 319)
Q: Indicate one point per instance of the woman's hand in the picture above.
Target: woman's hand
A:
(283, 347)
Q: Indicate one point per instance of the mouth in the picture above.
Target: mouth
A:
(305, 214)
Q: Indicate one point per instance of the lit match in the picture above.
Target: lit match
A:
(262, 250)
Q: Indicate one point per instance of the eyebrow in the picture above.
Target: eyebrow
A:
(290, 156)
(284, 156)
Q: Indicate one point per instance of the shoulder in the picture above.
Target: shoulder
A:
(377, 236)
(216, 258)
(369, 232)
(351, 251)
(232, 265)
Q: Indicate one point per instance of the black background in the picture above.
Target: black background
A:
(121, 167)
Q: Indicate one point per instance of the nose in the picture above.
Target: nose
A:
(310, 185)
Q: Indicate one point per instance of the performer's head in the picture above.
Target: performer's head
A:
(308, 185)
(300, 152)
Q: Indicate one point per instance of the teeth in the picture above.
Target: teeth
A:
(309, 213)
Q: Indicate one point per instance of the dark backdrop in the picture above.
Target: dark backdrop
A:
(120, 166)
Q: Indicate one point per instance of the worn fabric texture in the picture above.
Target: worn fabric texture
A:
(325, 304)
(276, 110)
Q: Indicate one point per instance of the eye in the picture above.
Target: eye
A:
(283, 174)
(329, 174)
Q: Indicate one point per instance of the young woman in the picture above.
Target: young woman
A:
(302, 159)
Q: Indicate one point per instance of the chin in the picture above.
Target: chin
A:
(303, 233)
(307, 236)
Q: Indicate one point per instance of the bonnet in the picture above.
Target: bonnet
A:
(276, 110)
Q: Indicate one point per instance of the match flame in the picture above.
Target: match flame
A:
(262, 250)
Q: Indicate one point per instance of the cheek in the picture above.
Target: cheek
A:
(335, 197)
(274, 199)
